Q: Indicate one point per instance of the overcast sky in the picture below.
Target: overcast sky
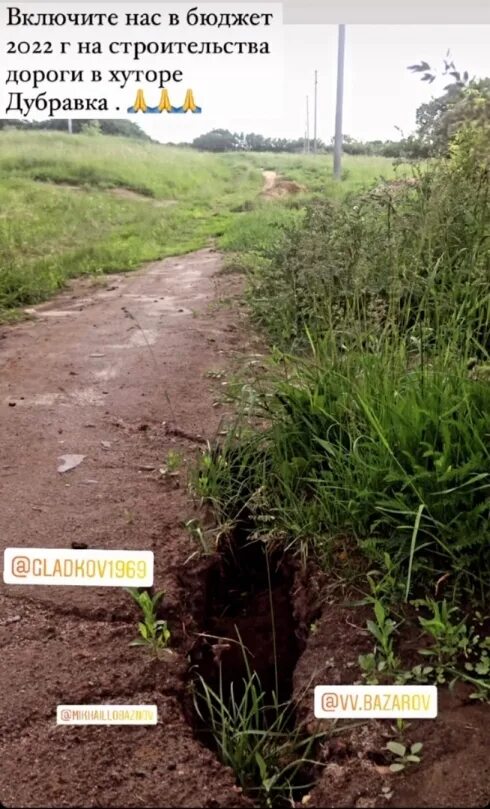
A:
(380, 93)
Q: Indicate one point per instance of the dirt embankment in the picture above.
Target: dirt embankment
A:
(276, 186)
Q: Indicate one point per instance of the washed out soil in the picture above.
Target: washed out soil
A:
(124, 374)
(276, 186)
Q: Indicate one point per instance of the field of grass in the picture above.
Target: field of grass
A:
(315, 171)
(257, 233)
(60, 217)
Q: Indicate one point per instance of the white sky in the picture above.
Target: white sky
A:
(380, 93)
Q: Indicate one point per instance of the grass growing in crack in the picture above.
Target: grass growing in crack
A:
(153, 632)
(255, 736)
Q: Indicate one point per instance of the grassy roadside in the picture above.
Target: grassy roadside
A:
(253, 239)
(374, 414)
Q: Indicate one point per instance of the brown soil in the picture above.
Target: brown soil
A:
(80, 378)
(122, 375)
(455, 766)
(276, 186)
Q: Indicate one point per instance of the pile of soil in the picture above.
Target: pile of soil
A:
(276, 186)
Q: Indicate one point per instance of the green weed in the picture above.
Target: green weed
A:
(371, 428)
(153, 632)
(256, 736)
(404, 755)
(382, 661)
(391, 455)
(458, 650)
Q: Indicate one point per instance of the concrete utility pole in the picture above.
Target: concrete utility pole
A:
(315, 119)
(307, 124)
(337, 156)
(70, 126)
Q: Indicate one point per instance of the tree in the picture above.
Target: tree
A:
(218, 140)
(464, 101)
(106, 126)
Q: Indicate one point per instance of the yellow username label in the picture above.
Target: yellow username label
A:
(106, 715)
(78, 567)
(376, 701)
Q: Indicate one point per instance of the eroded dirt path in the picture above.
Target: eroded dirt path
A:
(107, 373)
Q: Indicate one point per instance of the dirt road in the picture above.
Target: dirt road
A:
(97, 372)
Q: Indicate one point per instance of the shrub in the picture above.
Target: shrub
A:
(409, 259)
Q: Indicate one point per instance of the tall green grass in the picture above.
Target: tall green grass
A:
(361, 447)
(162, 172)
(315, 172)
(393, 263)
(255, 736)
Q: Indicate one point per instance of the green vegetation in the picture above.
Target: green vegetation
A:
(315, 171)
(258, 233)
(61, 218)
(153, 632)
(465, 100)
(381, 427)
(105, 126)
(371, 429)
(403, 755)
(257, 738)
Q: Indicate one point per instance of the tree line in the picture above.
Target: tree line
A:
(464, 101)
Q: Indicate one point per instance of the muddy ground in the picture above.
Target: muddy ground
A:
(123, 373)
